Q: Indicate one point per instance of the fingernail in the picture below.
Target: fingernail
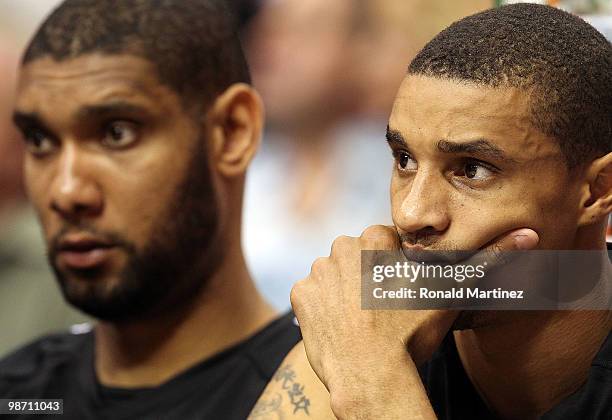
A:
(524, 242)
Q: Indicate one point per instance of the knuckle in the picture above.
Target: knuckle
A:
(375, 231)
(377, 236)
(297, 293)
(294, 296)
(318, 266)
(341, 243)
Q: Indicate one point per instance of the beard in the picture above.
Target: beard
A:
(170, 272)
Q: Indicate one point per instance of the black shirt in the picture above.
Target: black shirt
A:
(225, 386)
(453, 396)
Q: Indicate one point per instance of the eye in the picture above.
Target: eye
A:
(476, 171)
(404, 160)
(38, 143)
(120, 134)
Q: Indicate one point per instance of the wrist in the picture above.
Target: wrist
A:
(378, 389)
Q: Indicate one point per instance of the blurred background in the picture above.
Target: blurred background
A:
(328, 72)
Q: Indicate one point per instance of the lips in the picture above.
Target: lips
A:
(435, 256)
(83, 252)
(429, 256)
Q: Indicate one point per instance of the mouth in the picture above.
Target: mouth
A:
(81, 252)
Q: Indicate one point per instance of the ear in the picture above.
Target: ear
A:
(236, 119)
(597, 197)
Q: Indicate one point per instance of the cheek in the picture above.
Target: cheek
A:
(550, 208)
(37, 188)
(399, 190)
(141, 192)
(551, 212)
(479, 218)
(394, 192)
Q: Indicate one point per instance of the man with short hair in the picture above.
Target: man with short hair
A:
(139, 123)
(503, 122)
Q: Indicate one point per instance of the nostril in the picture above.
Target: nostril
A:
(80, 208)
(74, 210)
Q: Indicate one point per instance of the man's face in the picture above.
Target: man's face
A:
(118, 174)
(470, 167)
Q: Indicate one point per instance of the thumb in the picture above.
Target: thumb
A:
(499, 252)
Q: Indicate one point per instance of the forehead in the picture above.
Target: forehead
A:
(46, 84)
(430, 108)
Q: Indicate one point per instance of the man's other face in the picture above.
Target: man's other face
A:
(118, 175)
(470, 167)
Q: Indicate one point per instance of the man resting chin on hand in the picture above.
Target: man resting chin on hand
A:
(499, 126)
(356, 363)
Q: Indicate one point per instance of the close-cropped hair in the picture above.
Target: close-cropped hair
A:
(193, 44)
(561, 61)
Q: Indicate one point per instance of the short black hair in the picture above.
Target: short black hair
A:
(193, 44)
(563, 62)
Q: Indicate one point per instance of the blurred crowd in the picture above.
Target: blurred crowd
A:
(327, 71)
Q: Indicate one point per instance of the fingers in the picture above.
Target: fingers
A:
(376, 237)
(342, 245)
(521, 240)
(379, 237)
(341, 270)
(500, 251)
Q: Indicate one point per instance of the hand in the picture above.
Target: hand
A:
(350, 348)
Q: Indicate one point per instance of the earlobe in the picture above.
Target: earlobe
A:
(237, 120)
(597, 199)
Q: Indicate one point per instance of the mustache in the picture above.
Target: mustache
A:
(435, 249)
(114, 238)
(427, 240)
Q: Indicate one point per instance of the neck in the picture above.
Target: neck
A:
(522, 371)
(530, 361)
(150, 352)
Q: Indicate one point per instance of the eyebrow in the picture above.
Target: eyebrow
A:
(27, 119)
(478, 147)
(395, 138)
(33, 119)
(109, 110)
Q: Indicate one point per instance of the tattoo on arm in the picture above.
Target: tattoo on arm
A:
(295, 391)
(269, 406)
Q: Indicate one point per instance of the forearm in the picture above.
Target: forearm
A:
(389, 390)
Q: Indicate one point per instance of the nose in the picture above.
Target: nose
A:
(423, 207)
(74, 194)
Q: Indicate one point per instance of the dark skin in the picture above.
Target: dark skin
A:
(107, 146)
(470, 174)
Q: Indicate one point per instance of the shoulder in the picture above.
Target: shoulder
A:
(44, 356)
(268, 347)
(294, 391)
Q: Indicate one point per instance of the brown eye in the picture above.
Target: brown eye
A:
(120, 134)
(471, 170)
(475, 171)
(38, 143)
(405, 162)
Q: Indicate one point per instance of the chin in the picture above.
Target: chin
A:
(101, 300)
